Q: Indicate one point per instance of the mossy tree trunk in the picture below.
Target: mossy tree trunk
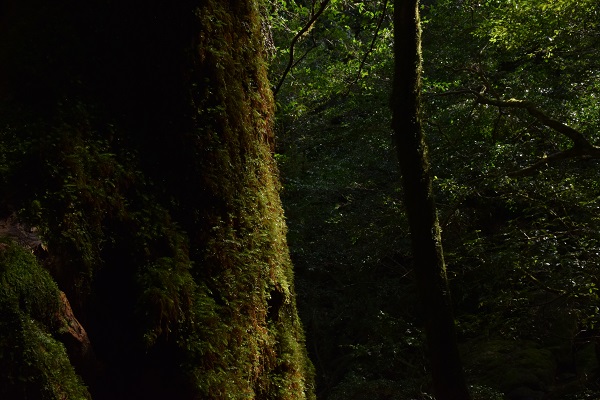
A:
(430, 272)
(138, 137)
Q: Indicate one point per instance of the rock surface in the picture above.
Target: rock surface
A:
(26, 236)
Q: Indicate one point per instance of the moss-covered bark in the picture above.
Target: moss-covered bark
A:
(33, 363)
(139, 140)
(430, 271)
(238, 244)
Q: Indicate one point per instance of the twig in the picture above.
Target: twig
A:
(297, 36)
(372, 45)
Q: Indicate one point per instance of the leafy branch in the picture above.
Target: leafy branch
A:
(373, 42)
(581, 147)
(307, 27)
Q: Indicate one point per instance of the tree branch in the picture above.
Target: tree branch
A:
(297, 36)
(551, 159)
(581, 148)
(299, 60)
(577, 137)
(373, 41)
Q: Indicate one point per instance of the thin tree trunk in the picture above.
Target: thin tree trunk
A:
(430, 272)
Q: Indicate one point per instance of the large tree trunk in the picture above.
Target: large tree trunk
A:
(430, 272)
(138, 137)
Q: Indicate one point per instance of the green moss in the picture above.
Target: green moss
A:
(27, 286)
(258, 348)
(33, 364)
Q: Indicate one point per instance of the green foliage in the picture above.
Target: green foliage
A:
(37, 365)
(346, 50)
(347, 231)
(167, 291)
(540, 26)
(33, 364)
(521, 250)
(67, 178)
(26, 284)
(533, 224)
(353, 279)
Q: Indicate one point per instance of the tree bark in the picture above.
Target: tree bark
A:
(139, 137)
(430, 271)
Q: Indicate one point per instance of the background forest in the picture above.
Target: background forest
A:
(511, 115)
